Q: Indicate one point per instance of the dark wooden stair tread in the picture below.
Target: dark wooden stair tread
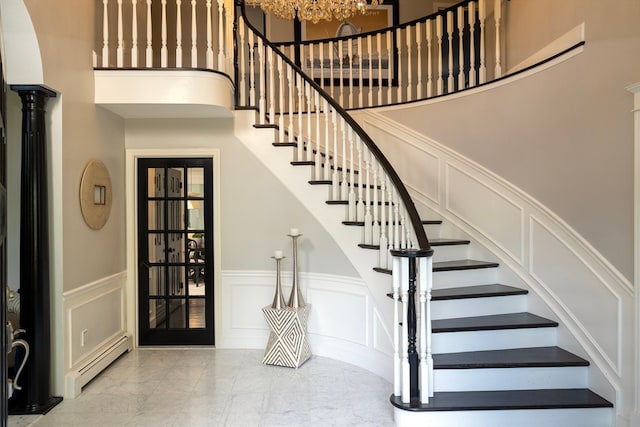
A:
(434, 242)
(492, 322)
(508, 399)
(476, 291)
(461, 264)
(424, 222)
(510, 358)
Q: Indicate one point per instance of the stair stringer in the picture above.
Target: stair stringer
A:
(295, 179)
(609, 376)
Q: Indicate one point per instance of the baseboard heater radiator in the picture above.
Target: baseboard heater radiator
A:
(79, 377)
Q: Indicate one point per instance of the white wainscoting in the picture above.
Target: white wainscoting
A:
(343, 324)
(94, 330)
(585, 292)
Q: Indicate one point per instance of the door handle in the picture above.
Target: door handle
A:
(145, 264)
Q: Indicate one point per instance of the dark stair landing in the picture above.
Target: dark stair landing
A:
(507, 399)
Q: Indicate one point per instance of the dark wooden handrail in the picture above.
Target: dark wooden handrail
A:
(403, 193)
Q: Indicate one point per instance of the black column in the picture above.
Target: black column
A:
(35, 305)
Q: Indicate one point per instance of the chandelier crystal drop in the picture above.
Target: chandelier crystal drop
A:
(314, 10)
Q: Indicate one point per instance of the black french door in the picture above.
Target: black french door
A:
(175, 251)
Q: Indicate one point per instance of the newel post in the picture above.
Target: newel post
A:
(413, 360)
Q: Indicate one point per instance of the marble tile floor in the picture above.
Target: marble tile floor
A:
(206, 387)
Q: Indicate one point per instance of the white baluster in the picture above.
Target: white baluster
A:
(194, 39)
(380, 58)
(163, 48)
(327, 140)
(439, 33)
(252, 70)
(426, 357)
(317, 158)
(307, 92)
(382, 259)
(242, 61)
(301, 156)
(368, 218)
(221, 35)
(120, 48)
(472, 44)
(390, 228)
(497, 14)
(375, 230)
(134, 33)
(321, 60)
(335, 179)
(400, 76)
(105, 33)
(209, 54)
(341, 71)
(271, 89)
(409, 70)
(461, 84)
(397, 361)
(352, 211)
(360, 74)
(149, 49)
(331, 71)
(291, 88)
(404, 292)
(389, 76)
(450, 80)
(178, 33)
(419, 48)
(429, 30)
(281, 108)
(482, 15)
(262, 102)
(350, 63)
(311, 66)
(360, 204)
(370, 85)
(344, 191)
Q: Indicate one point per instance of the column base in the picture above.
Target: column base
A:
(20, 408)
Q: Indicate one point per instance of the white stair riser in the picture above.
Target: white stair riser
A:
(578, 417)
(452, 342)
(510, 378)
(449, 252)
(478, 276)
(478, 306)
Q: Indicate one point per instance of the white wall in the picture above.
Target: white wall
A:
(564, 136)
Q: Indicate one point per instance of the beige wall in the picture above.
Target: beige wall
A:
(565, 135)
(256, 210)
(88, 133)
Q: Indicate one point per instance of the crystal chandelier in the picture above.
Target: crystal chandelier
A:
(314, 10)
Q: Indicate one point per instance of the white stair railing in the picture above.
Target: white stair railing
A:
(341, 154)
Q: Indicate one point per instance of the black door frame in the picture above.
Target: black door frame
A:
(174, 336)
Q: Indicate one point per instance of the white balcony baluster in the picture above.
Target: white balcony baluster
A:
(105, 33)
(134, 33)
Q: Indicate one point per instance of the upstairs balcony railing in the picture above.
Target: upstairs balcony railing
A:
(451, 50)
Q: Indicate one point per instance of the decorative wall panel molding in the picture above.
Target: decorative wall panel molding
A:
(535, 247)
(339, 322)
